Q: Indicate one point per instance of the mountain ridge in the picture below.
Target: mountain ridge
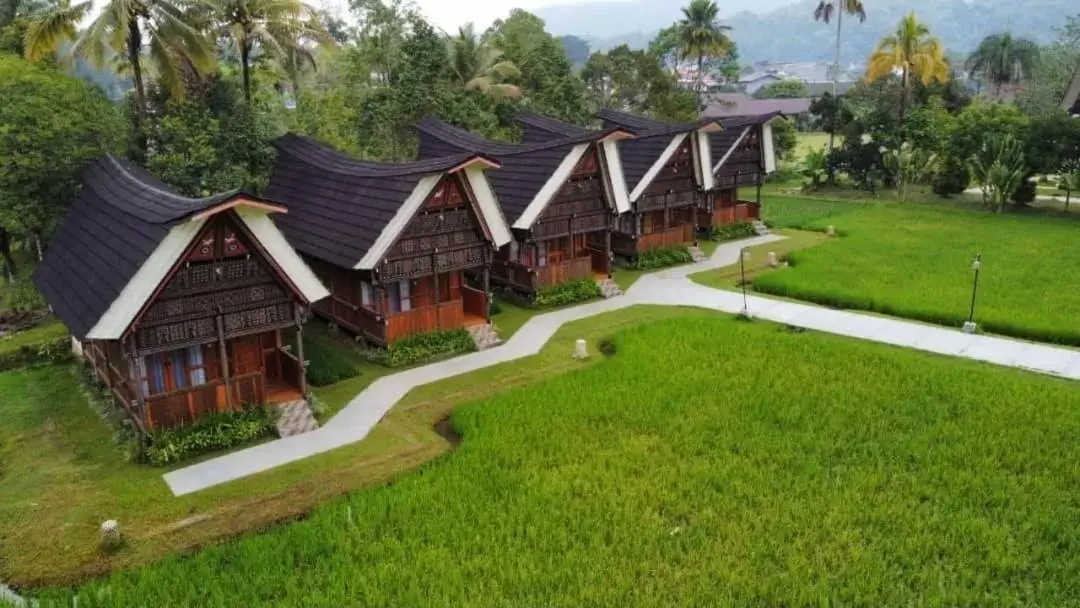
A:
(789, 32)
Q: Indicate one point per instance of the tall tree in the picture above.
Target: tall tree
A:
(911, 51)
(824, 12)
(125, 27)
(51, 124)
(279, 28)
(1057, 62)
(702, 37)
(1002, 59)
(478, 66)
(636, 81)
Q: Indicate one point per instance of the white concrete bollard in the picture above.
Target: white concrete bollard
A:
(110, 535)
(581, 350)
(830, 230)
(772, 259)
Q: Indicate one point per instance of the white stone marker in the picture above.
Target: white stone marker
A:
(772, 259)
(830, 230)
(581, 350)
(110, 534)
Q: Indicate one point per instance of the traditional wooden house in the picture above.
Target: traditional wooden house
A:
(391, 240)
(666, 169)
(744, 155)
(178, 303)
(559, 196)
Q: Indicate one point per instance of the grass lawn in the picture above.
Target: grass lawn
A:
(728, 277)
(45, 333)
(61, 476)
(749, 465)
(808, 142)
(915, 261)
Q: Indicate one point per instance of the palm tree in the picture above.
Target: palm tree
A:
(911, 51)
(1001, 59)
(701, 36)
(478, 66)
(126, 27)
(824, 12)
(278, 27)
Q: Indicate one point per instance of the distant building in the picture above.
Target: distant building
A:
(752, 83)
(816, 75)
(721, 105)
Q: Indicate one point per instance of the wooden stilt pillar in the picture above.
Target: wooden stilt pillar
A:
(487, 290)
(135, 384)
(608, 252)
(300, 352)
(223, 354)
(435, 278)
(694, 218)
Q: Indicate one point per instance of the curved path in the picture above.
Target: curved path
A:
(667, 287)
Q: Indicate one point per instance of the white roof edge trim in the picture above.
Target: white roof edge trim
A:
(489, 205)
(731, 149)
(616, 177)
(273, 242)
(551, 187)
(654, 170)
(705, 153)
(147, 278)
(768, 148)
(398, 223)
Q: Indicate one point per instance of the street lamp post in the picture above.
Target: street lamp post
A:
(744, 255)
(969, 325)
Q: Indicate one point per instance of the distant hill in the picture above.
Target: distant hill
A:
(790, 33)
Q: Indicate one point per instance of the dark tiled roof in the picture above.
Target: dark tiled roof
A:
(525, 167)
(121, 215)
(734, 126)
(338, 206)
(723, 105)
(537, 128)
(650, 126)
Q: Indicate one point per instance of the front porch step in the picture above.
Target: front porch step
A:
(761, 228)
(608, 288)
(697, 254)
(296, 418)
(485, 336)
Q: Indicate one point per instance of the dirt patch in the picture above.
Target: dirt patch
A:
(14, 321)
(606, 347)
(445, 429)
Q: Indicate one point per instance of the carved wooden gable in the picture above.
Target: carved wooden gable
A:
(445, 232)
(677, 174)
(582, 193)
(224, 273)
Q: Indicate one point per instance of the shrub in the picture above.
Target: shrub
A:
(428, 345)
(567, 293)
(326, 363)
(218, 431)
(23, 295)
(951, 177)
(731, 232)
(663, 256)
(496, 305)
(47, 343)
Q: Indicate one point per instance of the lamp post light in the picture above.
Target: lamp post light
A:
(969, 325)
(744, 256)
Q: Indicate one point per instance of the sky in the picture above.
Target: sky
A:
(450, 14)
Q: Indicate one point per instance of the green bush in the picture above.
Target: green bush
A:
(327, 364)
(951, 177)
(663, 256)
(731, 232)
(218, 431)
(567, 293)
(21, 294)
(496, 305)
(48, 343)
(428, 345)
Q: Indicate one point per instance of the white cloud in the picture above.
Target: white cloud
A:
(450, 14)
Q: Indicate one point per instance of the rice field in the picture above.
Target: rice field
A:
(915, 261)
(748, 465)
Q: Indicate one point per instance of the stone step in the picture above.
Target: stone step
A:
(608, 288)
(697, 254)
(296, 419)
(484, 336)
(761, 228)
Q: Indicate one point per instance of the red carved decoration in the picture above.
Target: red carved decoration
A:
(586, 165)
(447, 194)
(205, 248)
(232, 246)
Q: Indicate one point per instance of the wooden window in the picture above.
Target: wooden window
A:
(172, 370)
(515, 251)
(400, 297)
(541, 255)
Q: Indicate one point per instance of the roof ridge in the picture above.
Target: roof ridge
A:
(347, 165)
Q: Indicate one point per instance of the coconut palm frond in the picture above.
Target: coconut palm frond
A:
(45, 35)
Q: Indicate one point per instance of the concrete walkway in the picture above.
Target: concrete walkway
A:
(667, 287)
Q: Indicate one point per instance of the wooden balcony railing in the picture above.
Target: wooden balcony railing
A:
(292, 370)
(474, 302)
(186, 405)
(742, 211)
(677, 235)
(357, 319)
(570, 270)
(445, 315)
(512, 274)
